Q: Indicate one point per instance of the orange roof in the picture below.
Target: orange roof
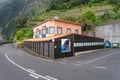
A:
(46, 38)
(55, 37)
(56, 20)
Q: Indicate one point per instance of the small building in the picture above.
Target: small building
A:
(55, 27)
(57, 39)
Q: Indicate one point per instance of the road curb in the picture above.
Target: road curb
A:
(85, 52)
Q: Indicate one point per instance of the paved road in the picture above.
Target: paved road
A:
(16, 64)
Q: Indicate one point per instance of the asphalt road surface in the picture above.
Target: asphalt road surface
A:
(16, 64)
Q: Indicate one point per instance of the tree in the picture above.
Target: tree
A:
(88, 20)
(24, 33)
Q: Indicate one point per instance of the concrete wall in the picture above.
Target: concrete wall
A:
(108, 32)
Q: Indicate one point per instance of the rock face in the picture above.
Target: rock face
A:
(108, 32)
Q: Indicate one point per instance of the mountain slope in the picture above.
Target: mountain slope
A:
(9, 10)
(3, 3)
(32, 8)
(68, 14)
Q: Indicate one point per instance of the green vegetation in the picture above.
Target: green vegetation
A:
(87, 19)
(86, 16)
(89, 13)
(24, 33)
(32, 8)
(10, 10)
(21, 35)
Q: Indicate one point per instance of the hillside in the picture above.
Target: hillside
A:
(3, 3)
(35, 11)
(31, 8)
(9, 10)
(106, 11)
(69, 14)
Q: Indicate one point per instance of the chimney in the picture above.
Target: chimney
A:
(56, 17)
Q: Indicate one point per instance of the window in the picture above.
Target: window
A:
(40, 32)
(51, 30)
(68, 31)
(37, 34)
(76, 31)
(59, 30)
(47, 30)
(43, 31)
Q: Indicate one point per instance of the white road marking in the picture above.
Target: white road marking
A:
(65, 60)
(62, 62)
(80, 62)
(31, 70)
(50, 77)
(99, 67)
(77, 64)
(100, 58)
(35, 74)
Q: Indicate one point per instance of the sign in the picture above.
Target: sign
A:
(65, 45)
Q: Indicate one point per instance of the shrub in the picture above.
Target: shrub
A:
(87, 19)
(24, 33)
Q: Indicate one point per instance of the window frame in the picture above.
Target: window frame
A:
(50, 29)
(40, 32)
(76, 31)
(68, 30)
(43, 31)
(47, 30)
(37, 34)
(58, 30)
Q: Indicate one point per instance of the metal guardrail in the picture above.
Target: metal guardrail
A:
(1, 43)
